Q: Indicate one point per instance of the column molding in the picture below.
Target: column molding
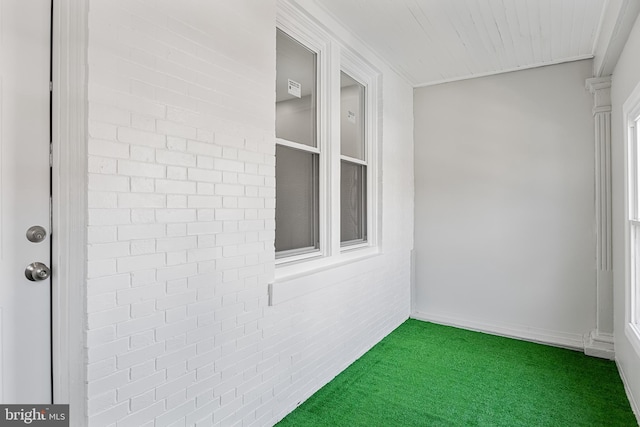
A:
(599, 342)
(69, 187)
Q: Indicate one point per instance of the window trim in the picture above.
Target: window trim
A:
(333, 57)
(631, 125)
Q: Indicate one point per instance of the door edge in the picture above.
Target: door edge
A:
(69, 192)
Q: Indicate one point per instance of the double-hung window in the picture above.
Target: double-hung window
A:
(631, 113)
(297, 149)
(325, 147)
(353, 162)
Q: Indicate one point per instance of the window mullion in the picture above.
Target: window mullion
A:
(333, 152)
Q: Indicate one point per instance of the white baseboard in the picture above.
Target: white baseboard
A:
(556, 339)
(632, 401)
(598, 344)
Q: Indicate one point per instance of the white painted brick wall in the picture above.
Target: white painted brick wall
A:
(181, 225)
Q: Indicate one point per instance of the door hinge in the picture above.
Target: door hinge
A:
(50, 86)
(50, 155)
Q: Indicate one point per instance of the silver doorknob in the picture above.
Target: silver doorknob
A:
(36, 234)
(37, 271)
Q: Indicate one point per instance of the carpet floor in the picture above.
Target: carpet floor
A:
(423, 374)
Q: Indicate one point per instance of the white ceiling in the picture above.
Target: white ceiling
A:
(435, 41)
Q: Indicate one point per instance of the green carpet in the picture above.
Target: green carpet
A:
(423, 374)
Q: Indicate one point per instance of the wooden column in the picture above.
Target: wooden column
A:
(599, 342)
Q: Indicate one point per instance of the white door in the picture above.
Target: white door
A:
(25, 336)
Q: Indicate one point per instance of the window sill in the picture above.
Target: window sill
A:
(298, 279)
(297, 258)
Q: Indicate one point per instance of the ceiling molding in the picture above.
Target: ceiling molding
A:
(494, 73)
(616, 23)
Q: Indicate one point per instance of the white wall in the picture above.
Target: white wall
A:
(505, 204)
(181, 224)
(626, 77)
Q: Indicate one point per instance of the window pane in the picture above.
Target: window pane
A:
(296, 200)
(353, 203)
(295, 91)
(351, 117)
(635, 199)
(635, 272)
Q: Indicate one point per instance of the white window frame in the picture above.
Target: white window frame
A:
(631, 117)
(360, 71)
(333, 57)
(317, 42)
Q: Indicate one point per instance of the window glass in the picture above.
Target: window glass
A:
(352, 123)
(295, 91)
(296, 201)
(635, 260)
(634, 224)
(635, 173)
(353, 193)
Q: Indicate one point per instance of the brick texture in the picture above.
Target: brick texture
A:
(181, 226)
